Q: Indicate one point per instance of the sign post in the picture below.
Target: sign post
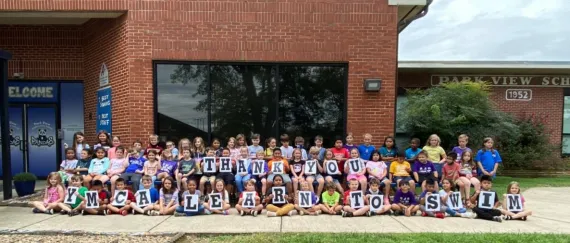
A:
(5, 126)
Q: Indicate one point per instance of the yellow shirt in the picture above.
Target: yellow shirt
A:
(434, 153)
(399, 169)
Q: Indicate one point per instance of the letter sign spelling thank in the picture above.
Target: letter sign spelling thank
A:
(225, 164)
(305, 199)
(278, 195)
(70, 197)
(120, 197)
(332, 167)
(376, 202)
(277, 168)
(257, 167)
(356, 199)
(514, 203)
(241, 166)
(143, 198)
(433, 203)
(92, 199)
(248, 200)
(355, 166)
(454, 200)
(311, 167)
(191, 203)
(209, 165)
(216, 201)
(486, 200)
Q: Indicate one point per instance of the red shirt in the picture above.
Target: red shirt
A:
(153, 147)
(345, 197)
(340, 153)
(131, 196)
(449, 171)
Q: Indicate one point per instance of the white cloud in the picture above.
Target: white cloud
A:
(522, 30)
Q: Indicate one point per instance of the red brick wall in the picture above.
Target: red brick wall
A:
(44, 52)
(105, 41)
(360, 32)
(547, 102)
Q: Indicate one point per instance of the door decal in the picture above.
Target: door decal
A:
(42, 151)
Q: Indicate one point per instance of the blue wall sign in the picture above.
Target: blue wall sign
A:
(32, 92)
(104, 116)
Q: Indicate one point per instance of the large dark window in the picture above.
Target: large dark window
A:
(218, 100)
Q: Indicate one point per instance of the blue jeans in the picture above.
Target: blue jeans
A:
(240, 180)
(141, 187)
(438, 168)
(180, 209)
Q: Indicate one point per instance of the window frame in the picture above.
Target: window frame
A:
(276, 65)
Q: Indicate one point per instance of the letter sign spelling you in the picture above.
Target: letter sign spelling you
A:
(311, 167)
(277, 168)
(143, 198)
(257, 167)
(216, 201)
(454, 200)
(92, 199)
(241, 166)
(433, 203)
(70, 197)
(332, 167)
(120, 198)
(514, 203)
(305, 199)
(376, 202)
(225, 164)
(248, 200)
(191, 203)
(278, 195)
(356, 199)
(209, 165)
(354, 166)
(486, 200)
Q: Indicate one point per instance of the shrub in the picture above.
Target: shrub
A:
(25, 177)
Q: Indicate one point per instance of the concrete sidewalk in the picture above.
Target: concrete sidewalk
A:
(552, 219)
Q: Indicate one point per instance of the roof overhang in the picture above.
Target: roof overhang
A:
(53, 17)
(484, 67)
(409, 10)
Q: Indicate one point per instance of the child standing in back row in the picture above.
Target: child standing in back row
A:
(389, 151)
(488, 159)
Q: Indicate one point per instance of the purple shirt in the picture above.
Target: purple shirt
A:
(460, 151)
(423, 169)
(168, 166)
(350, 147)
(407, 198)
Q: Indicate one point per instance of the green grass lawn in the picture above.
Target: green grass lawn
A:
(501, 182)
(371, 237)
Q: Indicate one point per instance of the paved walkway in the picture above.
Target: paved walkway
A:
(552, 219)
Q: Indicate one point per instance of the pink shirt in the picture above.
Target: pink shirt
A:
(111, 153)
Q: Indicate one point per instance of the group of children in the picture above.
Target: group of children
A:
(345, 180)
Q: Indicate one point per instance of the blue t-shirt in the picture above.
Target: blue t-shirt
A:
(488, 159)
(253, 150)
(411, 154)
(366, 151)
(154, 196)
(135, 164)
(393, 152)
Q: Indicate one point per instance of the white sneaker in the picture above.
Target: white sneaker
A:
(271, 214)
(290, 213)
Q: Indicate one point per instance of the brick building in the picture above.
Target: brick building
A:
(197, 68)
(519, 88)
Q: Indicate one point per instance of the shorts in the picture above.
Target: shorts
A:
(382, 181)
(286, 178)
(334, 179)
(258, 178)
(206, 178)
(315, 178)
(227, 177)
(405, 178)
(423, 178)
(358, 177)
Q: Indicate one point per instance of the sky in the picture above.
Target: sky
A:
(501, 30)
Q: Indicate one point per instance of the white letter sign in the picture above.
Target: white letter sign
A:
(92, 199)
(70, 197)
(305, 199)
(486, 200)
(376, 202)
(278, 195)
(514, 203)
(191, 203)
(332, 167)
(311, 167)
(433, 203)
(241, 166)
(248, 200)
(355, 166)
(209, 165)
(277, 168)
(120, 198)
(257, 167)
(143, 198)
(454, 201)
(225, 164)
(216, 201)
(356, 199)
